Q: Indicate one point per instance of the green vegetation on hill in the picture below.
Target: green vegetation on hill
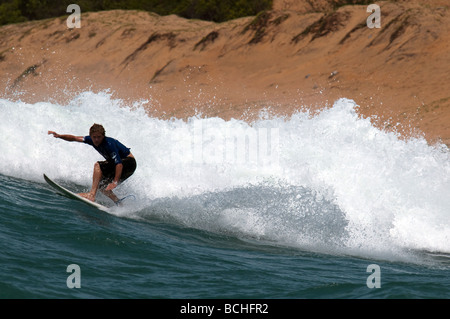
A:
(14, 11)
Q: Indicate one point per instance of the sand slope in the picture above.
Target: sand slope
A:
(303, 53)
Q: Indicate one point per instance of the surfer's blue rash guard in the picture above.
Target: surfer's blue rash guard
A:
(111, 149)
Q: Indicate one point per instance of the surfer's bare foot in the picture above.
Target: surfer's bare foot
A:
(89, 196)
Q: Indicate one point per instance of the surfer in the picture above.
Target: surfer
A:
(119, 165)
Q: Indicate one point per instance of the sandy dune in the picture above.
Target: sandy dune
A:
(300, 54)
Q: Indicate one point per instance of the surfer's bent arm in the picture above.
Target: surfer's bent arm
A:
(67, 137)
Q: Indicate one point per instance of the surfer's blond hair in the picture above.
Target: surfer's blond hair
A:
(97, 128)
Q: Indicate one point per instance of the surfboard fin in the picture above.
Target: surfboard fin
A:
(119, 202)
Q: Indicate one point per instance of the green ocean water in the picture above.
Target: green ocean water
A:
(42, 233)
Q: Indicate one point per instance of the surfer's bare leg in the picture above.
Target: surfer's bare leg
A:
(110, 194)
(95, 182)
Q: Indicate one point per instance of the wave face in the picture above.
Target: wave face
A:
(329, 182)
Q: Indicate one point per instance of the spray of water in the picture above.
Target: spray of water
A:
(329, 182)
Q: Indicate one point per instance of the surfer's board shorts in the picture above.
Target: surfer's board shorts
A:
(109, 171)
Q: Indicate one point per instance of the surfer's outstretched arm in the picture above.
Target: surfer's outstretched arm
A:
(67, 137)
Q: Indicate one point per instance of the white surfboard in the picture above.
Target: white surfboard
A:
(72, 195)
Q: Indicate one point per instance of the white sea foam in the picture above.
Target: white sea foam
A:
(331, 181)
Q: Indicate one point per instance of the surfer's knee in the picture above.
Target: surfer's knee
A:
(97, 167)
